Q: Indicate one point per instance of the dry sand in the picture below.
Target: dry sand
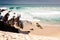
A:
(19, 36)
(49, 32)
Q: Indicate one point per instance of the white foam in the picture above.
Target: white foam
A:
(3, 7)
(29, 12)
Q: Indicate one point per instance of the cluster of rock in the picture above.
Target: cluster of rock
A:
(8, 25)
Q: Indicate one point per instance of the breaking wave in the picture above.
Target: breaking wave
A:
(45, 14)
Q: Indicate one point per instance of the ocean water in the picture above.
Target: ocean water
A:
(43, 13)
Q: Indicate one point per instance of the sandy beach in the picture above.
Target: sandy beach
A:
(37, 30)
(50, 30)
(19, 36)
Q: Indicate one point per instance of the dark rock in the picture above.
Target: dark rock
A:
(7, 27)
(38, 25)
(31, 29)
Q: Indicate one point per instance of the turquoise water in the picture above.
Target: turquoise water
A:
(44, 13)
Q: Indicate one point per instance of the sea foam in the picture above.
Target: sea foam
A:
(48, 14)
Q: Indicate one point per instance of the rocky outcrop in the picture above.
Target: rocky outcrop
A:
(7, 27)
